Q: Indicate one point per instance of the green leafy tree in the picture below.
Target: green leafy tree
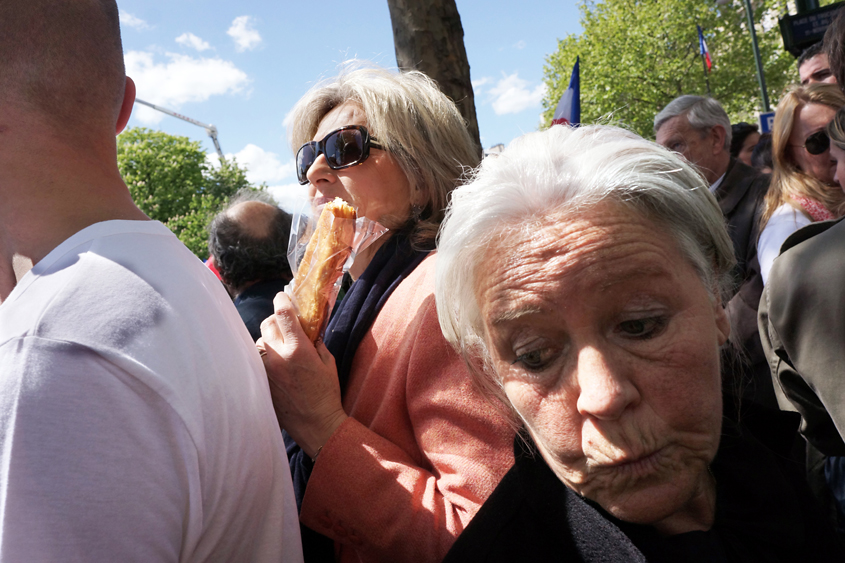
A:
(170, 180)
(638, 55)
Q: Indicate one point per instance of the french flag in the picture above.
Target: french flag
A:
(568, 110)
(704, 51)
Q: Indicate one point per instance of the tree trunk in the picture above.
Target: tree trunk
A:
(428, 37)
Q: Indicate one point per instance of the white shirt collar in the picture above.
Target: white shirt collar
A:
(717, 183)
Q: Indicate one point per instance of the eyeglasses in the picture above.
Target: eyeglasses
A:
(342, 147)
(817, 143)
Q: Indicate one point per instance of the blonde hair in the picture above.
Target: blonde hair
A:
(412, 119)
(789, 181)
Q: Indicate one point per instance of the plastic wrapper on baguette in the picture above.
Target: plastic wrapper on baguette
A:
(313, 290)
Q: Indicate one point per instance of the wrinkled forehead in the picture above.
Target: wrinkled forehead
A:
(605, 247)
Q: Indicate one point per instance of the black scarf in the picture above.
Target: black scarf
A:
(350, 321)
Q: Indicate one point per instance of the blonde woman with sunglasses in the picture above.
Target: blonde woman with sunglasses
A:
(392, 449)
(803, 189)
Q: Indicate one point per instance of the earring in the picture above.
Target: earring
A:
(416, 212)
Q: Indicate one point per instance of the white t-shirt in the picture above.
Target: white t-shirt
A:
(135, 415)
(783, 222)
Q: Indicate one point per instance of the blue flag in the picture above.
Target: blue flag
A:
(568, 110)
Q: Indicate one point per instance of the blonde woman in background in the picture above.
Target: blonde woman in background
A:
(803, 189)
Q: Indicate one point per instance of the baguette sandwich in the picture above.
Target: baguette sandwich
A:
(321, 266)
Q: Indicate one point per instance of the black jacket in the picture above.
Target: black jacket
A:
(764, 513)
(740, 197)
(255, 303)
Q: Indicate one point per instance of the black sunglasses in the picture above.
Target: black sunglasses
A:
(817, 143)
(344, 147)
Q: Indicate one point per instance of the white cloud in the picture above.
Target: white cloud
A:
(290, 197)
(212, 161)
(245, 35)
(520, 45)
(264, 166)
(129, 20)
(511, 95)
(477, 84)
(182, 79)
(191, 40)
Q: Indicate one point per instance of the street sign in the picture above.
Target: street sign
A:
(802, 30)
(767, 121)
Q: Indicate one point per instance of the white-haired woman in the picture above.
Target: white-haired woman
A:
(394, 449)
(582, 275)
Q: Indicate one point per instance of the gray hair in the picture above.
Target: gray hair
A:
(568, 170)
(250, 194)
(702, 114)
(412, 119)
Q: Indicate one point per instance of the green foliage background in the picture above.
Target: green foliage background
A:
(170, 180)
(638, 55)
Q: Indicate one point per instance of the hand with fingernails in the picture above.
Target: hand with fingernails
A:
(303, 379)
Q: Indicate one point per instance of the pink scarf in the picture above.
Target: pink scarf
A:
(814, 209)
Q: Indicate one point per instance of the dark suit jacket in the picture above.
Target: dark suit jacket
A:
(802, 324)
(740, 197)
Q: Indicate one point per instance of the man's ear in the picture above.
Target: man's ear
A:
(717, 135)
(126, 106)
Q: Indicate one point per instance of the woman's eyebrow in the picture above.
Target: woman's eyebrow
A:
(626, 275)
(509, 315)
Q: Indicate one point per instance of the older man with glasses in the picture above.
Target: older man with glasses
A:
(698, 128)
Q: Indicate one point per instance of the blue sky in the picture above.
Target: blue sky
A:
(243, 65)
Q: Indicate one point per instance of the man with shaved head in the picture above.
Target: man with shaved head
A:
(135, 416)
(248, 244)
